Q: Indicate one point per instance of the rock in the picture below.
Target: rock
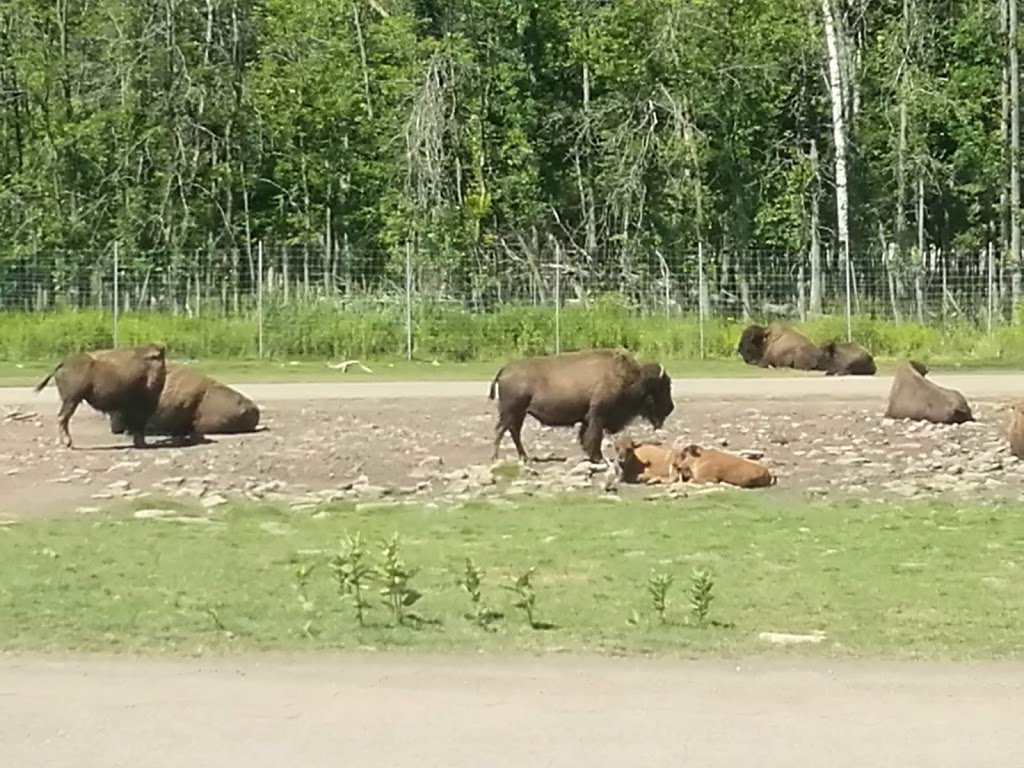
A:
(787, 638)
(213, 500)
(148, 514)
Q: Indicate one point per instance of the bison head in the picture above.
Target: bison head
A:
(751, 344)
(657, 394)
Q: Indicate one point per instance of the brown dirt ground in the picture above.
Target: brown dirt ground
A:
(814, 445)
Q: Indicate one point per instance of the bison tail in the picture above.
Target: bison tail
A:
(39, 387)
(494, 385)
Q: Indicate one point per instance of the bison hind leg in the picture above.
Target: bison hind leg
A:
(510, 421)
(67, 410)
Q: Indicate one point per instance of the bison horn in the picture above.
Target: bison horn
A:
(661, 371)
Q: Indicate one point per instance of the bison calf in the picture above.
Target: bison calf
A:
(645, 462)
(912, 396)
(602, 390)
(193, 404)
(127, 380)
(778, 346)
(710, 465)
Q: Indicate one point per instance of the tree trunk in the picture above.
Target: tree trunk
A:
(839, 137)
(815, 255)
(919, 272)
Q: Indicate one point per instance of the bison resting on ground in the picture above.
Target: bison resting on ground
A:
(845, 358)
(644, 462)
(710, 465)
(602, 390)
(1015, 431)
(192, 403)
(912, 396)
(128, 380)
(778, 346)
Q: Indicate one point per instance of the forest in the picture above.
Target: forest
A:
(802, 147)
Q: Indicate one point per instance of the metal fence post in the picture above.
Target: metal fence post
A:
(117, 288)
(991, 284)
(701, 288)
(259, 296)
(408, 299)
(849, 277)
(558, 299)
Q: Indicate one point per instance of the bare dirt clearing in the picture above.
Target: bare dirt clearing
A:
(345, 445)
(327, 710)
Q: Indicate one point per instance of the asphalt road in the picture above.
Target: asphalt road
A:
(398, 711)
(973, 386)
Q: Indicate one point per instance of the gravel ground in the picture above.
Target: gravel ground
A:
(331, 441)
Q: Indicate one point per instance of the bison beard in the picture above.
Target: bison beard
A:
(602, 390)
(127, 380)
(193, 404)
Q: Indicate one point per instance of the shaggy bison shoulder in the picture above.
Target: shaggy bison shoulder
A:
(845, 358)
(602, 390)
(914, 397)
(193, 403)
(126, 380)
(778, 346)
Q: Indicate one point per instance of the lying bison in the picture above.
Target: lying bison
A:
(845, 358)
(1015, 430)
(912, 396)
(697, 464)
(127, 380)
(644, 462)
(778, 346)
(602, 390)
(194, 404)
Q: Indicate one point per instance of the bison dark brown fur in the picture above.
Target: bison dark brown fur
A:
(778, 346)
(602, 390)
(912, 396)
(128, 380)
(846, 358)
(193, 404)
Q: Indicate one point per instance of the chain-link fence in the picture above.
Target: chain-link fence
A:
(254, 281)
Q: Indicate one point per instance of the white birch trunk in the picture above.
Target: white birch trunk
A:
(815, 255)
(836, 94)
(1014, 158)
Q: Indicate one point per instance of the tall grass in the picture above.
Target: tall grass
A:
(324, 332)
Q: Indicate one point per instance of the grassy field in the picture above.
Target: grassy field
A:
(902, 580)
(302, 341)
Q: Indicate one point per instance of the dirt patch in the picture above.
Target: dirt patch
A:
(336, 448)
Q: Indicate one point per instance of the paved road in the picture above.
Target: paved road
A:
(398, 711)
(1002, 386)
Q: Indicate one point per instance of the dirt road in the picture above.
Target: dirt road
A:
(1001, 385)
(400, 711)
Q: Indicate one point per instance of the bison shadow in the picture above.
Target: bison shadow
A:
(155, 444)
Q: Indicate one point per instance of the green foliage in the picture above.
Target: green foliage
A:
(471, 582)
(394, 576)
(658, 586)
(701, 585)
(352, 573)
(526, 601)
(316, 332)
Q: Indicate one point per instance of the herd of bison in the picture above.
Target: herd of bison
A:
(602, 391)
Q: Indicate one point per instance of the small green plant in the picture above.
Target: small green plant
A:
(701, 585)
(658, 586)
(352, 573)
(471, 581)
(527, 596)
(301, 587)
(397, 595)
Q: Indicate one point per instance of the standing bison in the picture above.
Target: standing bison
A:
(602, 390)
(778, 346)
(194, 404)
(127, 380)
(845, 358)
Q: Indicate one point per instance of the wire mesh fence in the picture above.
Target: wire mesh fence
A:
(257, 281)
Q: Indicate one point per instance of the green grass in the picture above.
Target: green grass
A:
(899, 580)
(300, 341)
